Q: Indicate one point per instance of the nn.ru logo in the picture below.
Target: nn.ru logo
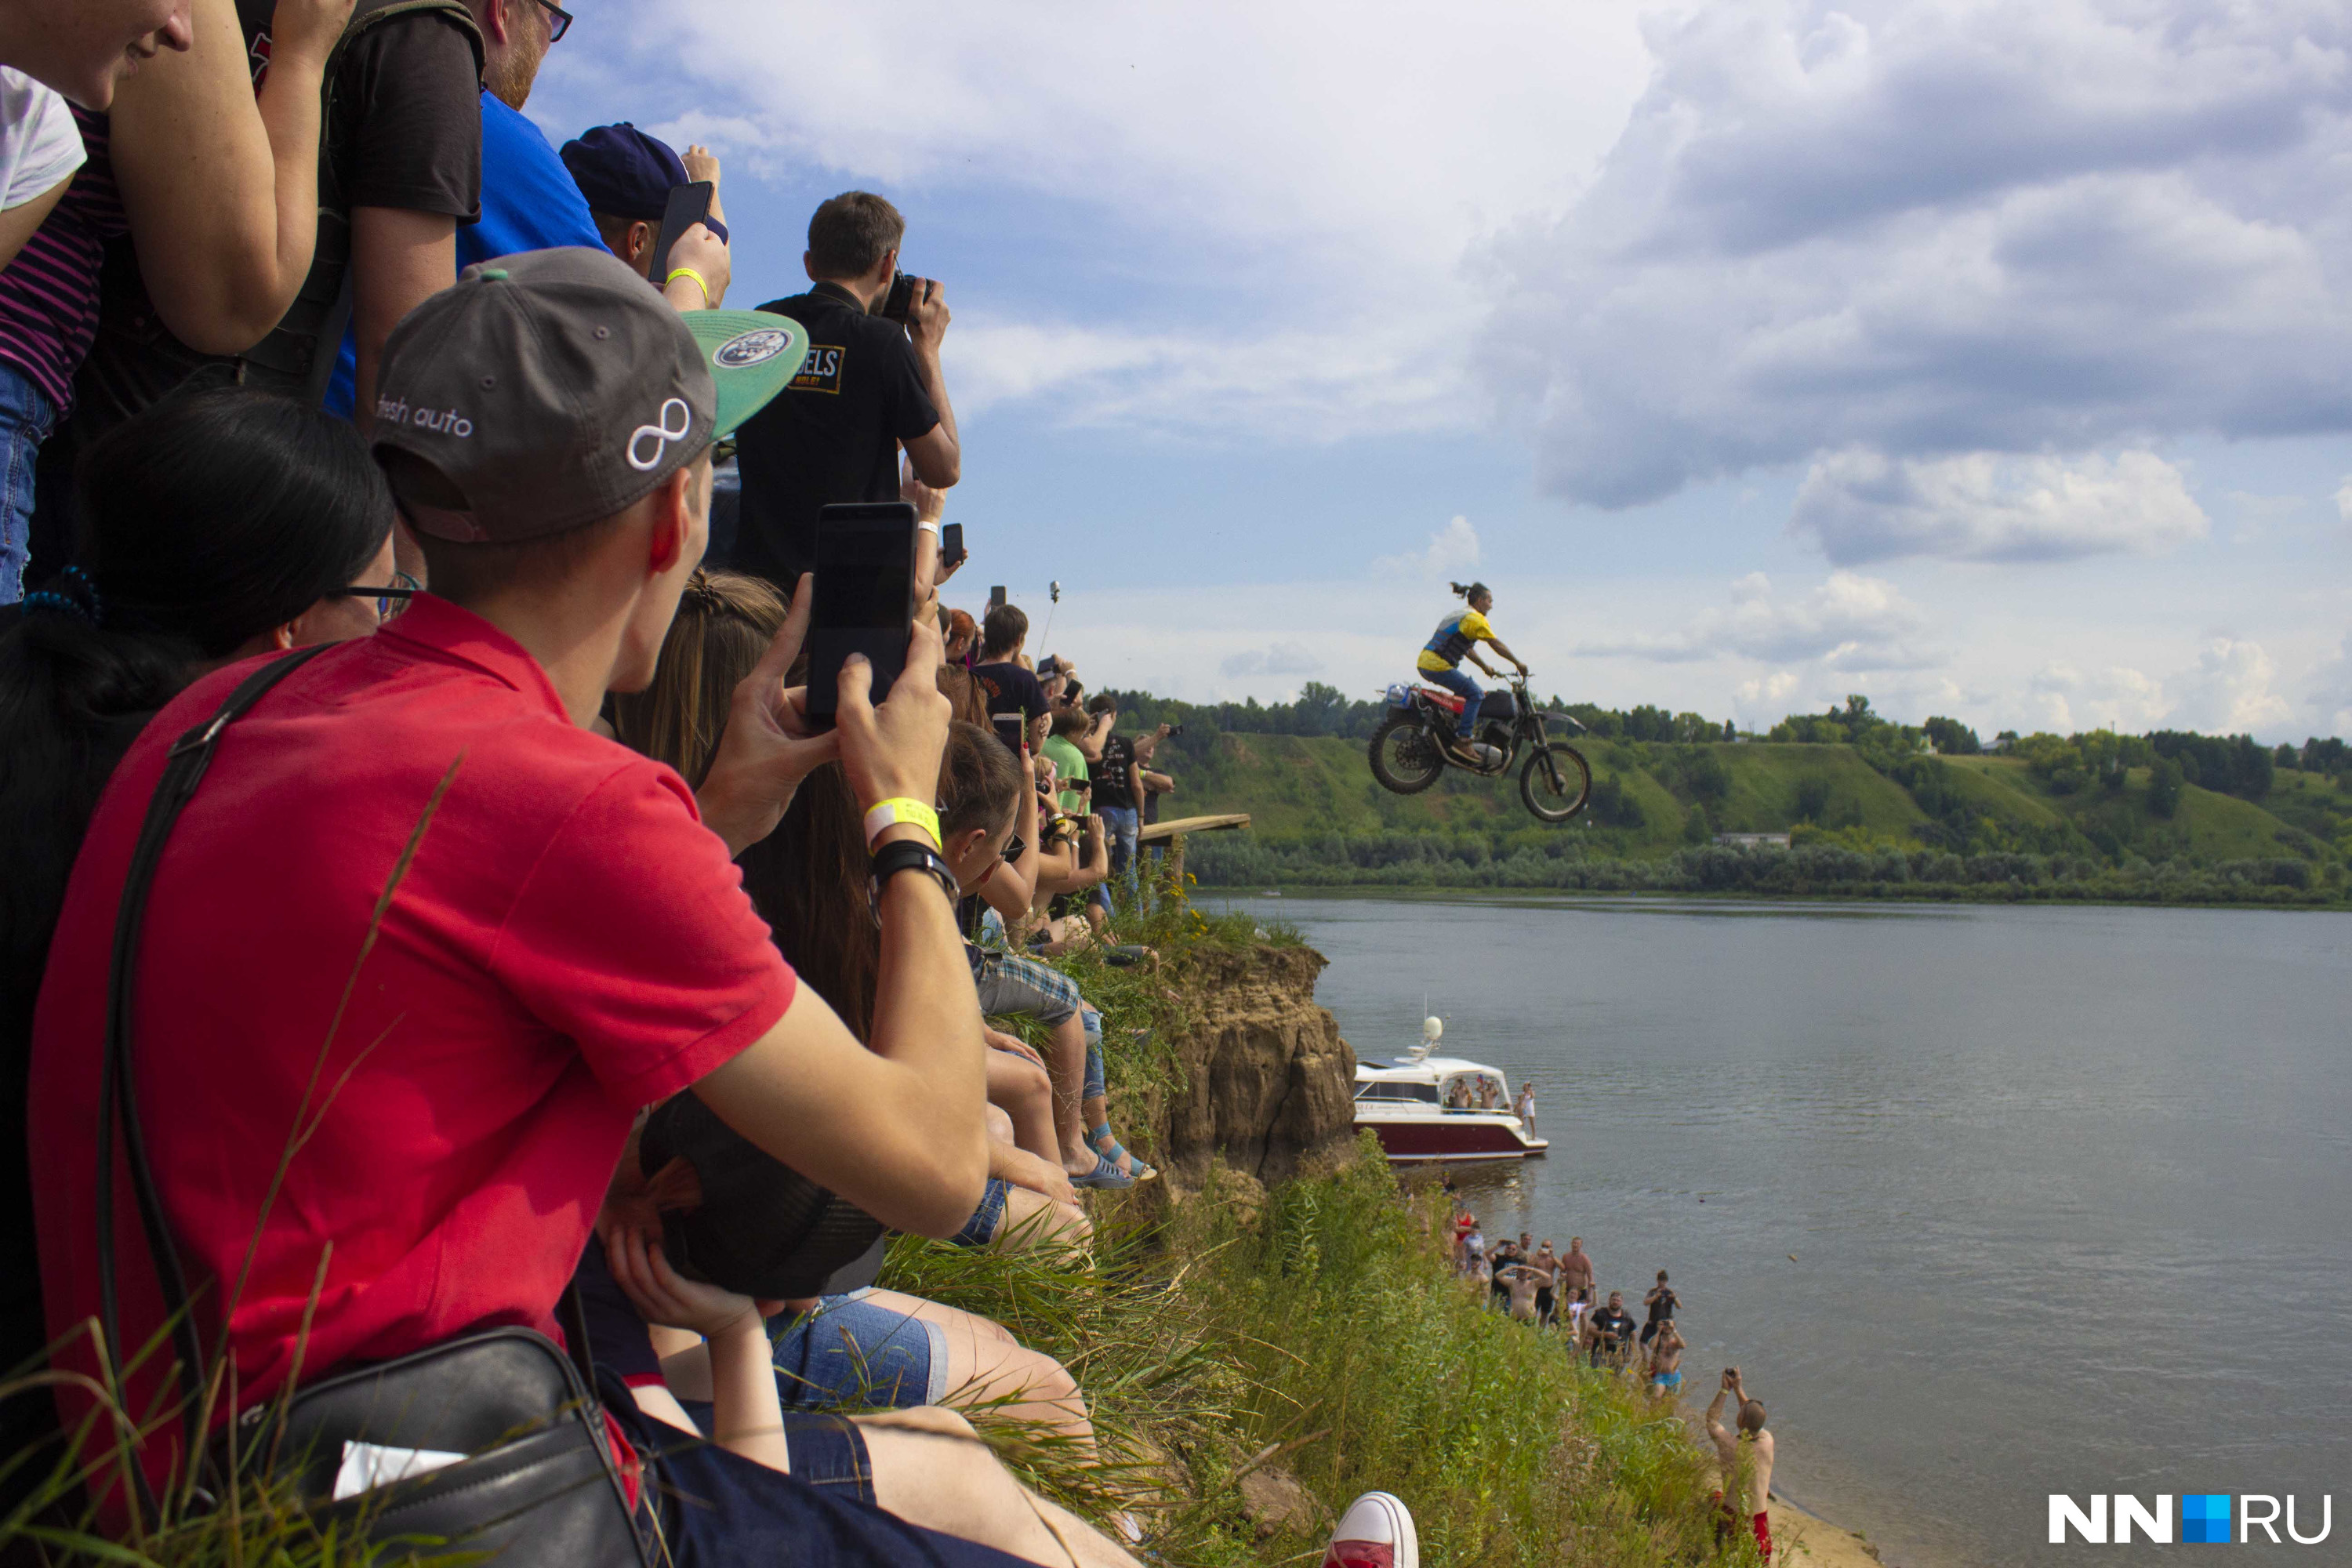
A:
(2203, 1517)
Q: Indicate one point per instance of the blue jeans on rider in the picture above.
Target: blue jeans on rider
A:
(1456, 681)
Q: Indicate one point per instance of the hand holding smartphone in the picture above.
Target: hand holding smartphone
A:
(863, 600)
(689, 205)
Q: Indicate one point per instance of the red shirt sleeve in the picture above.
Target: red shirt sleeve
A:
(632, 936)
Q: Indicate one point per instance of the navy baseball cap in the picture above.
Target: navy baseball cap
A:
(623, 172)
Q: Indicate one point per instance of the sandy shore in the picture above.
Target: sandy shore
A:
(1802, 1537)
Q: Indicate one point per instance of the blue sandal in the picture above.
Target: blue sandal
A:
(1110, 1149)
(1105, 1174)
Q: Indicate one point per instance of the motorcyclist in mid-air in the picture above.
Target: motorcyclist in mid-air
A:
(1457, 636)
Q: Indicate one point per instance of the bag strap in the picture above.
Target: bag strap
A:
(184, 768)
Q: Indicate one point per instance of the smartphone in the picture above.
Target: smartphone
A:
(689, 205)
(863, 599)
(951, 551)
(996, 597)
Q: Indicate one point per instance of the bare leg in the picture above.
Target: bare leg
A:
(986, 1363)
(1032, 1222)
(931, 1470)
(1065, 1059)
(1025, 1093)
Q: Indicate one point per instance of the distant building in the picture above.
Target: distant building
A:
(1752, 840)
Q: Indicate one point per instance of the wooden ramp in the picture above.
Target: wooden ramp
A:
(1173, 835)
(1161, 832)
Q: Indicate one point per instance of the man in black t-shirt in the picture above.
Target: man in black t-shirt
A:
(1612, 1332)
(1013, 694)
(869, 387)
(1117, 787)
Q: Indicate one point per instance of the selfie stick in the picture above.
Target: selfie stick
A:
(1056, 589)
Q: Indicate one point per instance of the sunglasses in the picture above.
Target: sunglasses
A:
(389, 601)
(559, 21)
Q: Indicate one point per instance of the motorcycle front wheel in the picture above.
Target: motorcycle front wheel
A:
(1556, 783)
(1406, 755)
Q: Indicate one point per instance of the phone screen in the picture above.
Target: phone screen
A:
(952, 544)
(863, 600)
(689, 205)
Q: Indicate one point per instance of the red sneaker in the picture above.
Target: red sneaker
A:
(1375, 1533)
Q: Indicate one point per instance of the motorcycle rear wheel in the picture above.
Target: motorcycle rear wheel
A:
(1406, 758)
(1558, 801)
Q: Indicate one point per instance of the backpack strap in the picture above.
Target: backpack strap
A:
(184, 769)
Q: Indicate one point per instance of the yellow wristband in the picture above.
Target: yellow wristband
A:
(890, 813)
(678, 272)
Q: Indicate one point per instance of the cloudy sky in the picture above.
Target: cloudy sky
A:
(1991, 359)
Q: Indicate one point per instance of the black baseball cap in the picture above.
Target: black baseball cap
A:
(553, 388)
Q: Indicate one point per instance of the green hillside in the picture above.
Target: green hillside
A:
(1918, 821)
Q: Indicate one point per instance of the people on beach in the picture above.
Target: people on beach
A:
(1667, 1360)
(1576, 1272)
(1662, 1303)
(1612, 1332)
(1547, 1262)
(1745, 1452)
(1518, 1284)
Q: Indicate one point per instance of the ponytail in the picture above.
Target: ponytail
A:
(1466, 592)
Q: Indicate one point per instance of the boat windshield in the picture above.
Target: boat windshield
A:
(1425, 1092)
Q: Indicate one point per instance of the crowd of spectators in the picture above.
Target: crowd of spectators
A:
(522, 941)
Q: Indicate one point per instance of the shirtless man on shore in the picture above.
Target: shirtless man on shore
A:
(1521, 1280)
(1666, 1349)
(1547, 1294)
(1576, 1272)
(1747, 1458)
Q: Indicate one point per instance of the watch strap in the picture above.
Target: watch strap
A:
(908, 855)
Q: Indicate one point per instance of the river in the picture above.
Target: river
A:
(1985, 1202)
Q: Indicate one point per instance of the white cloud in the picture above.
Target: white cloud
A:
(2331, 692)
(2342, 498)
(2062, 699)
(2231, 691)
(1316, 171)
(1862, 506)
(1279, 659)
(1847, 622)
(1451, 549)
(1938, 227)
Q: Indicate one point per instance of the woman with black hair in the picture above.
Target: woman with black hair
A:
(1458, 636)
(213, 526)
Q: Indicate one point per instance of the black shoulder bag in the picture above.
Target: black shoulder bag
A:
(537, 1487)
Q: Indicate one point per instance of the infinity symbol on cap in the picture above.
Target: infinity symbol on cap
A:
(662, 434)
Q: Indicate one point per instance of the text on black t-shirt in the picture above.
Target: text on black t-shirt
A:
(832, 436)
(1015, 696)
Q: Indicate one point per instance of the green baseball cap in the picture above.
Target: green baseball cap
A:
(553, 388)
(752, 355)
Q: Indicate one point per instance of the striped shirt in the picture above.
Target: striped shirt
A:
(48, 295)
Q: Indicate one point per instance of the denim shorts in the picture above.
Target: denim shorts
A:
(714, 1509)
(851, 1351)
(826, 1451)
(981, 1228)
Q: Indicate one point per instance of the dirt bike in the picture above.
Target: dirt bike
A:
(1409, 751)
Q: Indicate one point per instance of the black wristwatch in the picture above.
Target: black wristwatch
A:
(911, 854)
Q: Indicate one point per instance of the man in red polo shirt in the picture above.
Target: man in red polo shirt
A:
(448, 1098)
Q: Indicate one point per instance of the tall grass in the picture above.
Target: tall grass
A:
(1321, 1331)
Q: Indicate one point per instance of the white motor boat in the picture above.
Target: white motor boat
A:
(1403, 1102)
